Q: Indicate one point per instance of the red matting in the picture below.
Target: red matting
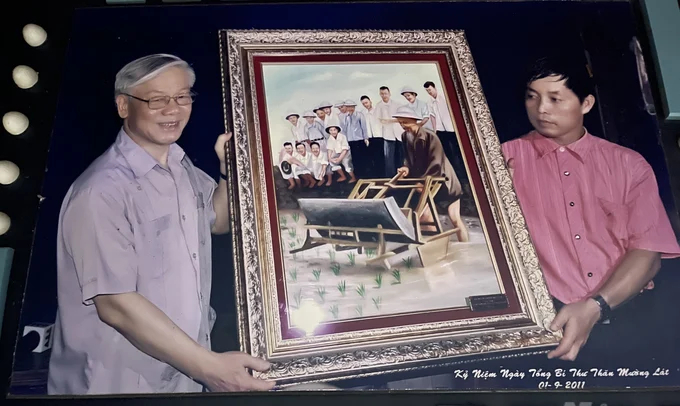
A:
(486, 216)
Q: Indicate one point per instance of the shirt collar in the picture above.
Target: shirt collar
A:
(140, 161)
(545, 145)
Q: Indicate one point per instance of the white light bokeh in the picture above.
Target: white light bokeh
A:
(34, 35)
(307, 317)
(24, 76)
(5, 223)
(9, 172)
(15, 123)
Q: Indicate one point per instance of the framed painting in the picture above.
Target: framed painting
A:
(375, 224)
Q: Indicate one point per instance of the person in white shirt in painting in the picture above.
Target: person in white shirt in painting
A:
(443, 124)
(339, 153)
(376, 146)
(391, 131)
(419, 106)
(300, 164)
(296, 127)
(318, 164)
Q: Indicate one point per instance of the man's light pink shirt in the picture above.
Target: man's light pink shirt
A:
(586, 205)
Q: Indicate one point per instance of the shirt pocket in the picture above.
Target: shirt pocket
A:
(155, 230)
(615, 218)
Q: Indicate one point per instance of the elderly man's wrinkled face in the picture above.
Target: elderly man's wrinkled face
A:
(162, 126)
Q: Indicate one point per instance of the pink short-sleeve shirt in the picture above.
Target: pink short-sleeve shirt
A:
(586, 205)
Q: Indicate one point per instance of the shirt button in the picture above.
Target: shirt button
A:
(566, 173)
(578, 237)
(194, 255)
(571, 204)
(590, 274)
(184, 217)
(561, 149)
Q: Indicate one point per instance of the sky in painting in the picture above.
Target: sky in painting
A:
(300, 87)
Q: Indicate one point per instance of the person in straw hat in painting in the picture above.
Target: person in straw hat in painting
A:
(424, 156)
(314, 130)
(339, 153)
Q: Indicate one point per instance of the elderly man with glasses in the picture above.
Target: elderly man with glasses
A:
(134, 254)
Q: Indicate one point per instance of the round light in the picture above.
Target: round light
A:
(34, 35)
(15, 123)
(4, 223)
(24, 76)
(9, 172)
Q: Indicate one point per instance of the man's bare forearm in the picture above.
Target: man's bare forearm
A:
(221, 205)
(152, 332)
(636, 269)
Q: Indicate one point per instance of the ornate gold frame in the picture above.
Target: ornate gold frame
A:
(382, 350)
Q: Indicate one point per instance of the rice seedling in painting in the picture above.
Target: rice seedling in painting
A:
(335, 311)
(321, 291)
(352, 258)
(361, 290)
(335, 268)
(284, 221)
(359, 310)
(296, 217)
(292, 274)
(331, 255)
(297, 299)
(342, 287)
(370, 253)
(292, 232)
(378, 281)
(317, 274)
(396, 274)
(377, 301)
(408, 263)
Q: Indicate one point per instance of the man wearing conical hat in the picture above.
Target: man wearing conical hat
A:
(419, 106)
(424, 156)
(314, 130)
(339, 153)
(296, 127)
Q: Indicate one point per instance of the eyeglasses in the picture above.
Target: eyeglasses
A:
(159, 102)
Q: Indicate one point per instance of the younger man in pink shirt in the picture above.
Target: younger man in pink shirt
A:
(592, 209)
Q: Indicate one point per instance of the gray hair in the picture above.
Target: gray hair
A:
(146, 68)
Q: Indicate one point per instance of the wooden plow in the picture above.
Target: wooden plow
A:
(372, 218)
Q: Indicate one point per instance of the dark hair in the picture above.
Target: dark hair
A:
(297, 144)
(314, 143)
(429, 84)
(365, 97)
(575, 71)
(384, 88)
(288, 143)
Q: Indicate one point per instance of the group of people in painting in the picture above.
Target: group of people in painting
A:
(388, 139)
(133, 252)
(358, 144)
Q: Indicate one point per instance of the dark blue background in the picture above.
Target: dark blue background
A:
(502, 37)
